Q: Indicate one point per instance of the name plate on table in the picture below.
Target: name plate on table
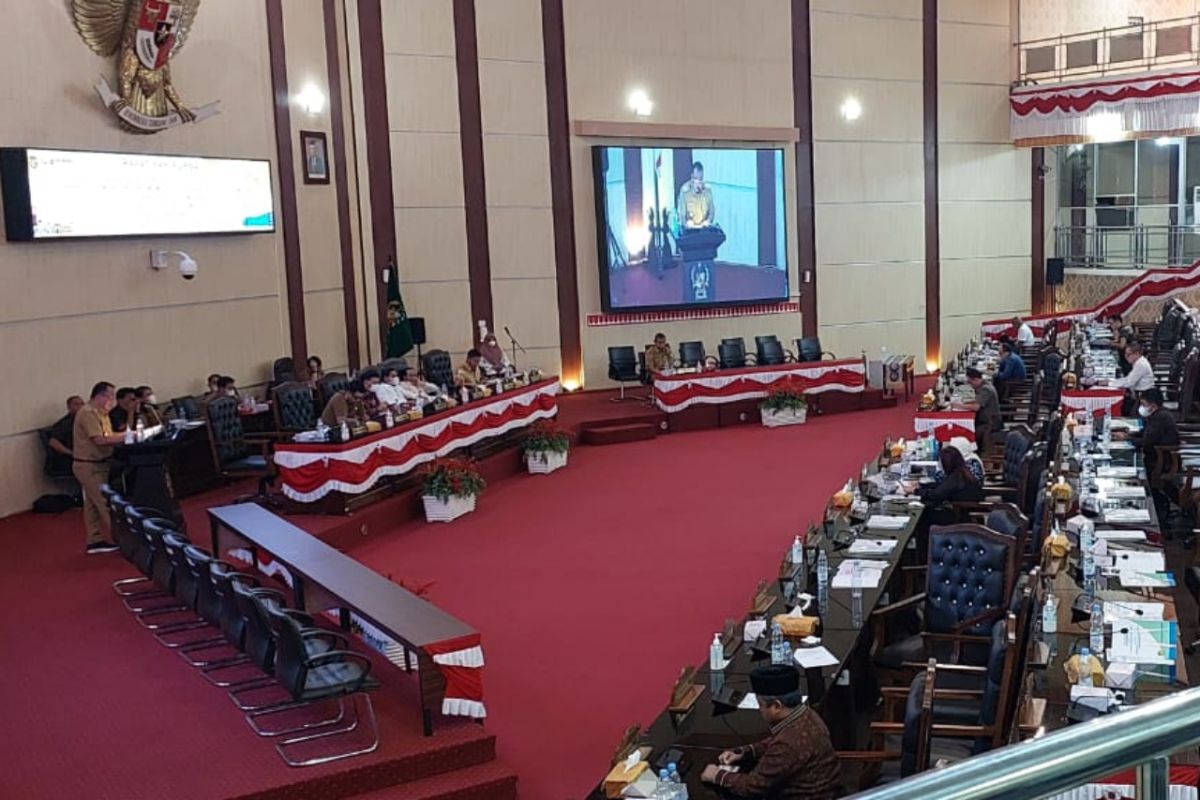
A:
(685, 692)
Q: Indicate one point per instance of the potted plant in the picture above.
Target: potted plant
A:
(450, 488)
(784, 406)
(546, 447)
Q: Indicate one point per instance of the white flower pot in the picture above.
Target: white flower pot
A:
(786, 416)
(543, 462)
(445, 511)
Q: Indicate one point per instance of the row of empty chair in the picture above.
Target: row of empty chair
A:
(274, 661)
(627, 365)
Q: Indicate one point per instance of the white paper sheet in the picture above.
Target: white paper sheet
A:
(872, 547)
(885, 522)
(1121, 536)
(809, 657)
(1130, 515)
(1138, 560)
(1119, 609)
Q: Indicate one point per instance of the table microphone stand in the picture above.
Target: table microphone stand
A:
(515, 347)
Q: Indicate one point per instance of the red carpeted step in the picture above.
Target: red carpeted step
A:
(491, 781)
(620, 433)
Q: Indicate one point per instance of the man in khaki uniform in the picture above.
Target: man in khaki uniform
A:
(94, 440)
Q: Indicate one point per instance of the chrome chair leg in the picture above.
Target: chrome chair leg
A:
(281, 747)
(269, 683)
(252, 717)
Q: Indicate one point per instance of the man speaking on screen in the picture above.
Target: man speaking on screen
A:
(695, 207)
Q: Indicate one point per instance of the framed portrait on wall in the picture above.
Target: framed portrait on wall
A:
(314, 148)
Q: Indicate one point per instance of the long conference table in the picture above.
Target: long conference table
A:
(308, 472)
(680, 390)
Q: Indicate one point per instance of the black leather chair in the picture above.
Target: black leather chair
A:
(331, 384)
(809, 349)
(234, 455)
(691, 354)
(438, 368)
(295, 407)
(56, 466)
(312, 672)
(623, 368)
(283, 370)
(771, 352)
(189, 405)
(732, 354)
(233, 626)
(398, 364)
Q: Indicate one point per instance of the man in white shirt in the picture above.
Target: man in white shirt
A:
(417, 390)
(388, 391)
(1141, 374)
(1024, 332)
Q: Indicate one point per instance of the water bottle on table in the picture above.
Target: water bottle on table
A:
(1096, 628)
(1085, 667)
(677, 784)
(781, 651)
(823, 581)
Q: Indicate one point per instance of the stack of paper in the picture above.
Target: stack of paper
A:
(1131, 516)
(1153, 580)
(1139, 560)
(883, 522)
(807, 657)
(870, 574)
(1123, 492)
(1117, 472)
(1119, 610)
(1144, 641)
(872, 547)
(1121, 536)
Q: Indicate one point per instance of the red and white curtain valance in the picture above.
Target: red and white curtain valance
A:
(676, 392)
(308, 472)
(1093, 401)
(1106, 108)
(945, 425)
(1153, 284)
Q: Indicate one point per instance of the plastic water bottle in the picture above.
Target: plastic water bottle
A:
(344, 431)
(1088, 557)
(388, 419)
(128, 435)
(1085, 667)
(716, 654)
(823, 581)
(856, 594)
(1050, 615)
(1107, 434)
(141, 430)
(662, 791)
(781, 651)
(1096, 629)
(677, 784)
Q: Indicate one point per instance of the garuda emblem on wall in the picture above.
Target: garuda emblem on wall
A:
(145, 35)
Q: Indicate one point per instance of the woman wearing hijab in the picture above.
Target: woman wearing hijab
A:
(494, 360)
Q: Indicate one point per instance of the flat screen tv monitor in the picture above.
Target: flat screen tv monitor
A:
(690, 227)
(75, 194)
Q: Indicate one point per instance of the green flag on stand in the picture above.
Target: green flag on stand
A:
(399, 337)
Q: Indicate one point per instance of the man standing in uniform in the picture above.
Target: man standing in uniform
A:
(93, 443)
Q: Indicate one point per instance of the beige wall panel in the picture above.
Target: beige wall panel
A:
(979, 12)
(856, 293)
(969, 112)
(422, 93)
(518, 170)
(509, 29)
(522, 242)
(973, 53)
(513, 97)
(239, 338)
(906, 9)
(418, 27)
(840, 40)
(21, 471)
(975, 230)
(983, 172)
(446, 308)
(985, 286)
(547, 359)
(432, 244)
(870, 233)
(325, 321)
(858, 172)
(891, 110)
(529, 308)
(851, 341)
(427, 170)
(604, 28)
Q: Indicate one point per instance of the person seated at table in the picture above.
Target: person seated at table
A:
(796, 761)
(1139, 379)
(493, 361)
(1011, 368)
(469, 374)
(1025, 336)
(62, 436)
(986, 404)
(148, 406)
(315, 370)
(1158, 430)
(418, 390)
(389, 392)
(227, 387)
(659, 357)
(958, 481)
(124, 413)
(355, 403)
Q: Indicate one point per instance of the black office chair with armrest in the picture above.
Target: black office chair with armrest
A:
(732, 354)
(398, 364)
(438, 368)
(692, 354)
(232, 624)
(809, 349)
(295, 407)
(189, 405)
(56, 466)
(233, 452)
(312, 678)
(771, 353)
(623, 367)
(283, 370)
(331, 384)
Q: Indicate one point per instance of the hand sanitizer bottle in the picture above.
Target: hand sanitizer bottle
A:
(1050, 614)
(716, 654)
(797, 551)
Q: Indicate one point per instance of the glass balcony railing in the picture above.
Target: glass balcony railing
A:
(1134, 48)
(1131, 237)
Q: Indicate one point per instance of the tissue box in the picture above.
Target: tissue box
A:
(1075, 524)
(1121, 674)
(619, 777)
(796, 627)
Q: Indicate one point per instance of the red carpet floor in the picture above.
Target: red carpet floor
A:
(594, 586)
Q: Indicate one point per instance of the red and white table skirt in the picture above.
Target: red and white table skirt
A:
(1093, 401)
(461, 663)
(308, 472)
(674, 393)
(1181, 780)
(945, 425)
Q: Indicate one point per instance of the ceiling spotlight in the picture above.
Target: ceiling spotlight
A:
(851, 109)
(311, 99)
(640, 103)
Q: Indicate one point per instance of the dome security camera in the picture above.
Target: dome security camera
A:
(188, 268)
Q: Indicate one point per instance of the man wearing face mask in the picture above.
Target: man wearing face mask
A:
(1158, 430)
(227, 387)
(148, 406)
(388, 390)
(92, 448)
